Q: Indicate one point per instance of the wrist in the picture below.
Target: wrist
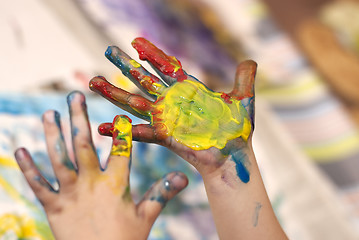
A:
(234, 164)
(241, 208)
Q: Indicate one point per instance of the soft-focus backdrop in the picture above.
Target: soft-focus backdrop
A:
(307, 115)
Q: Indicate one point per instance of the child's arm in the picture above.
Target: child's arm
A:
(92, 203)
(210, 130)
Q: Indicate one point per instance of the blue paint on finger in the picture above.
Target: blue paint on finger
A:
(70, 97)
(108, 51)
(57, 119)
(43, 182)
(75, 131)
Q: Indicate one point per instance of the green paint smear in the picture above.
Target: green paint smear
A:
(199, 118)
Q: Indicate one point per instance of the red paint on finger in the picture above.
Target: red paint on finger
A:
(149, 83)
(101, 86)
(109, 91)
(105, 129)
(168, 65)
(245, 75)
(129, 119)
(140, 104)
(226, 98)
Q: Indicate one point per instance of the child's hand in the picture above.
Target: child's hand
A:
(206, 128)
(91, 203)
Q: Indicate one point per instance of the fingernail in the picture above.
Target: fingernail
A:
(48, 116)
(72, 95)
(178, 180)
(20, 154)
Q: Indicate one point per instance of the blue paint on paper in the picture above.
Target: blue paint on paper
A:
(100, 109)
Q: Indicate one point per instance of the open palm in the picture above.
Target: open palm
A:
(202, 126)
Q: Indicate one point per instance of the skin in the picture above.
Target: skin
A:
(220, 150)
(94, 203)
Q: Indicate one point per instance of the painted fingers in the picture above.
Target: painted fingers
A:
(63, 167)
(160, 193)
(168, 67)
(87, 164)
(41, 187)
(141, 132)
(134, 104)
(144, 80)
(84, 150)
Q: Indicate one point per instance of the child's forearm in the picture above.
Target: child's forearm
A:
(241, 210)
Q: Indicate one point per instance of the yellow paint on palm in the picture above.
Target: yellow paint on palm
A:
(122, 136)
(200, 118)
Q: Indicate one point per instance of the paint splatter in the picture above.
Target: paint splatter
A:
(256, 213)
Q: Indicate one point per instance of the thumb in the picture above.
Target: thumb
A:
(159, 194)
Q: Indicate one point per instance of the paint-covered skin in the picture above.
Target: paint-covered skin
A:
(60, 143)
(200, 118)
(205, 127)
(256, 213)
(87, 194)
(164, 188)
(121, 136)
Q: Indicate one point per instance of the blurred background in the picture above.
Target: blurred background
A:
(307, 115)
